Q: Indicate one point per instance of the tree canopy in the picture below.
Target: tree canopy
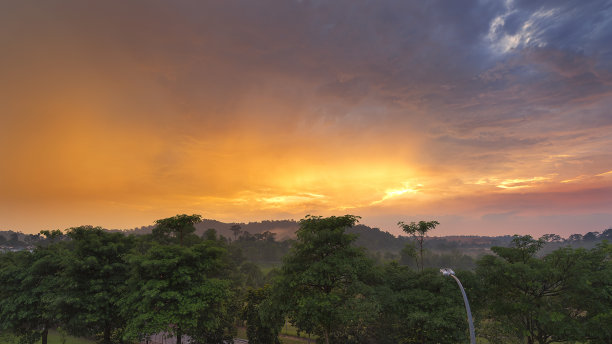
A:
(322, 280)
(545, 299)
(176, 229)
(120, 288)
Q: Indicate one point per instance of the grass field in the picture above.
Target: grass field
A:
(54, 338)
(266, 267)
(287, 336)
(291, 330)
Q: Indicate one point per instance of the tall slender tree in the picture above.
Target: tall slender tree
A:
(418, 231)
(236, 229)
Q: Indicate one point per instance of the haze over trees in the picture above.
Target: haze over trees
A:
(200, 286)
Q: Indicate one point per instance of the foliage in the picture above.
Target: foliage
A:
(236, 230)
(322, 281)
(530, 295)
(118, 288)
(253, 277)
(177, 229)
(590, 295)
(178, 290)
(417, 307)
(454, 258)
(29, 293)
(263, 325)
(262, 247)
(94, 275)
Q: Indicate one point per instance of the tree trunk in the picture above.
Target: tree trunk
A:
(107, 335)
(326, 337)
(421, 252)
(179, 336)
(45, 334)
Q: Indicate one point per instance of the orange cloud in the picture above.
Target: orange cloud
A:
(121, 113)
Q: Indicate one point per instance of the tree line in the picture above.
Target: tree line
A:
(125, 288)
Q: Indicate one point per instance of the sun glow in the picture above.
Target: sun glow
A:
(288, 200)
(520, 183)
(393, 193)
(514, 183)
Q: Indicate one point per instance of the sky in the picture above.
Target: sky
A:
(492, 117)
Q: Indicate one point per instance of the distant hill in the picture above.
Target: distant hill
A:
(284, 229)
(374, 239)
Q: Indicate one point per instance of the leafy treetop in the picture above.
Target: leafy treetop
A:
(178, 226)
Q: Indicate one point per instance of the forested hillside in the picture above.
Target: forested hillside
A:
(266, 242)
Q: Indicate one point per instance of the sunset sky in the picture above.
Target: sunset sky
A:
(492, 117)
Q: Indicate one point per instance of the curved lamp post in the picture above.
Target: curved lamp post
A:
(450, 272)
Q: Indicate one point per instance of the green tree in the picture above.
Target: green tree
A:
(525, 293)
(252, 275)
(418, 231)
(210, 234)
(263, 325)
(18, 307)
(236, 229)
(179, 228)
(606, 234)
(178, 290)
(321, 286)
(51, 237)
(95, 275)
(551, 238)
(29, 292)
(418, 307)
(590, 295)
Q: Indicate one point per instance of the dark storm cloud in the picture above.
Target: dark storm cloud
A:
(427, 53)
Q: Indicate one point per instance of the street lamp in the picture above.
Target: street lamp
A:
(450, 272)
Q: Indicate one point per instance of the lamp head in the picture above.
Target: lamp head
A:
(447, 271)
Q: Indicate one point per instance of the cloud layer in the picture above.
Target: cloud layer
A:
(121, 113)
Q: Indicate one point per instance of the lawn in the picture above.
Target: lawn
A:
(288, 335)
(54, 338)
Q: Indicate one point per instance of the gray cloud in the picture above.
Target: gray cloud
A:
(424, 62)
